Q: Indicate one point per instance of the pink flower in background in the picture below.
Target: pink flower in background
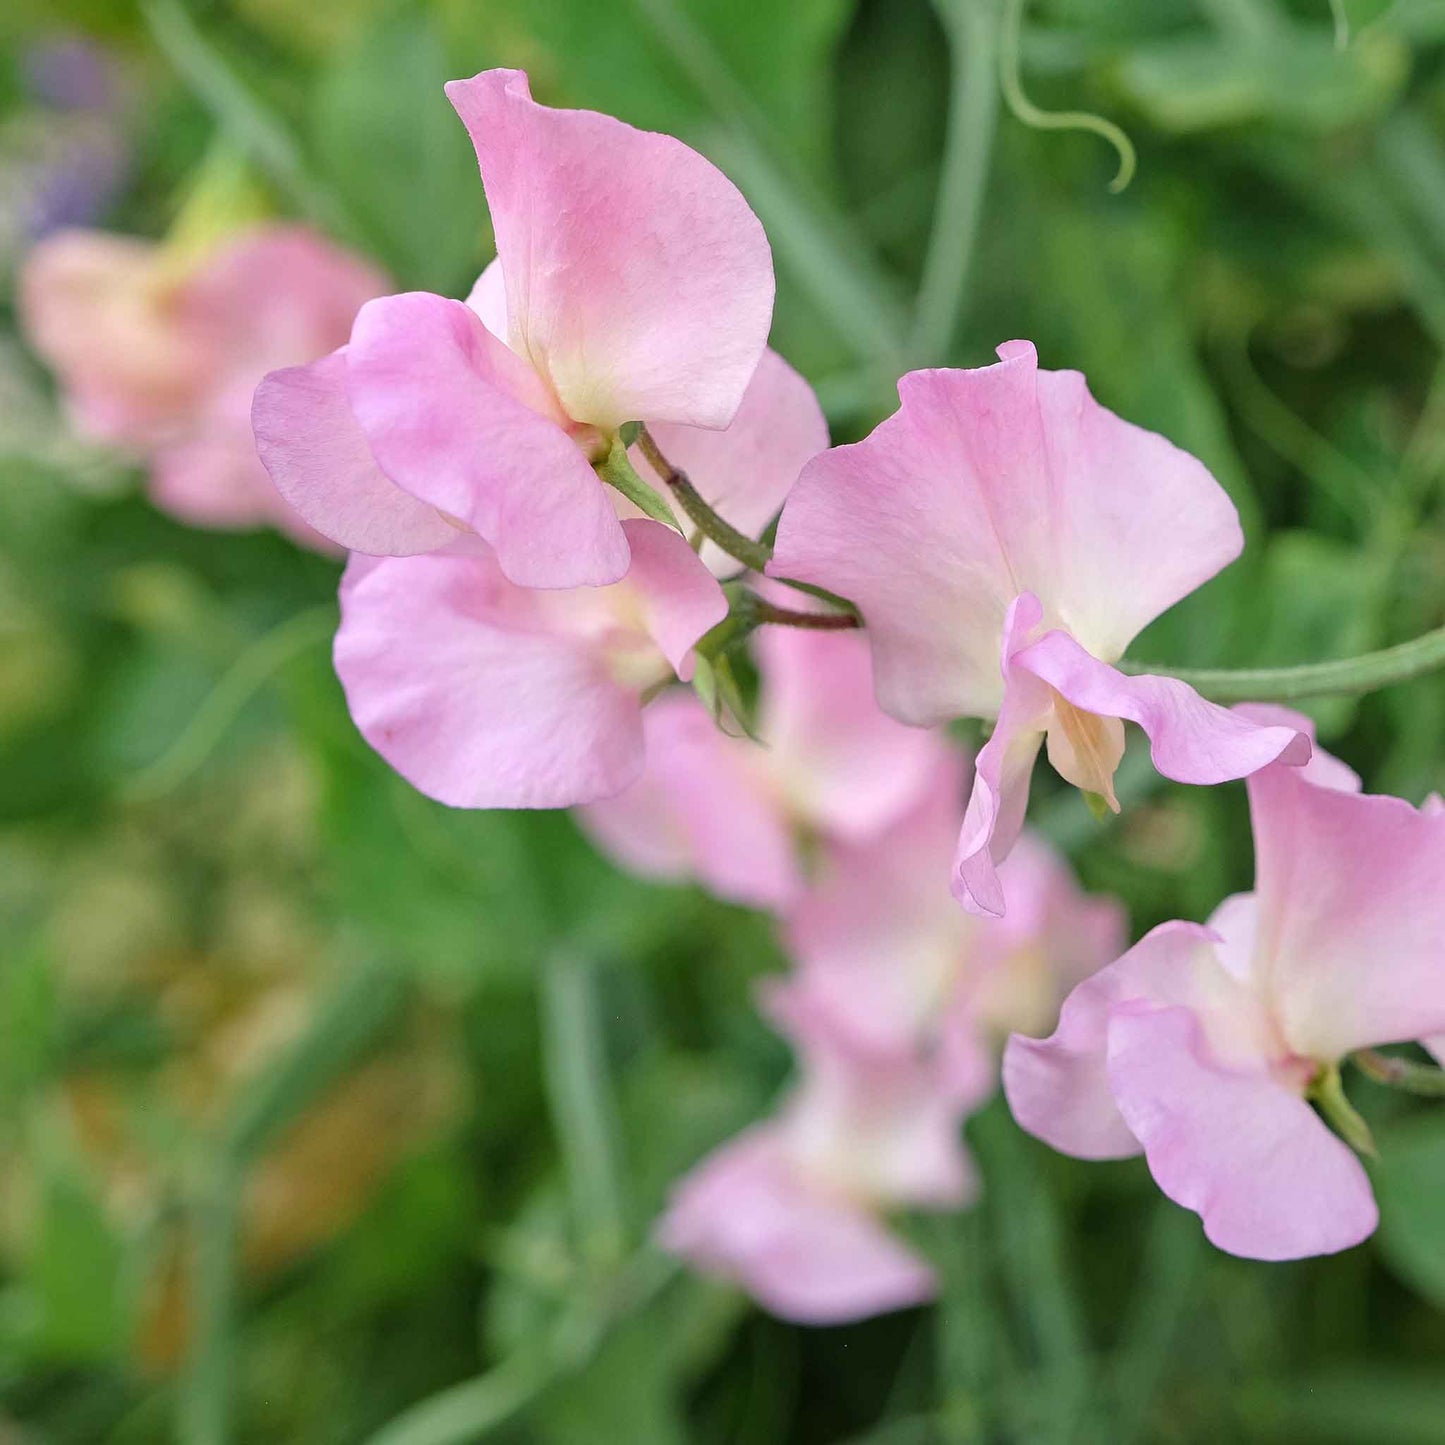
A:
(484, 694)
(885, 955)
(632, 283)
(159, 353)
(793, 1209)
(1200, 1046)
(1006, 538)
(737, 816)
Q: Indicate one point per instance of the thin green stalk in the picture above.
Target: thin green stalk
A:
(204, 1402)
(1029, 114)
(765, 614)
(1365, 673)
(1327, 1092)
(972, 28)
(1398, 1073)
(580, 1096)
(752, 554)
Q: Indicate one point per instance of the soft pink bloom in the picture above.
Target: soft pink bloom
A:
(737, 816)
(632, 283)
(159, 351)
(886, 956)
(1006, 538)
(1200, 1045)
(793, 1208)
(484, 694)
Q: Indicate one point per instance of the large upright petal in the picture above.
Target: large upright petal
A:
(985, 484)
(459, 421)
(309, 441)
(638, 280)
(1351, 892)
(1242, 1150)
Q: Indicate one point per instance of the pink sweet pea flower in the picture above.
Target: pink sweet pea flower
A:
(632, 283)
(1006, 538)
(484, 694)
(737, 816)
(793, 1208)
(1200, 1046)
(159, 352)
(887, 957)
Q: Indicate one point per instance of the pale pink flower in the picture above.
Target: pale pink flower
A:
(484, 694)
(158, 351)
(794, 1208)
(1006, 538)
(632, 283)
(888, 958)
(738, 817)
(1200, 1046)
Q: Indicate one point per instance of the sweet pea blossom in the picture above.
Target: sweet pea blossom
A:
(1202, 1046)
(484, 694)
(739, 817)
(884, 954)
(1005, 538)
(632, 283)
(159, 349)
(793, 1209)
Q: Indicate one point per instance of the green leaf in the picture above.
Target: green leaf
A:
(391, 146)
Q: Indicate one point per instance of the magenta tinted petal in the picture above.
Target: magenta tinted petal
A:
(638, 280)
(316, 454)
(456, 419)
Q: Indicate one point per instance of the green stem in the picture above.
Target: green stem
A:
(1027, 113)
(1365, 673)
(1397, 1073)
(972, 28)
(1328, 1091)
(765, 614)
(753, 555)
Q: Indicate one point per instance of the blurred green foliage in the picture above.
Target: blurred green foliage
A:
(328, 1115)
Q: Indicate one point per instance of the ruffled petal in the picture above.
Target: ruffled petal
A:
(1351, 891)
(1243, 1151)
(309, 441)
(746, 1215)
(1191, 740)
(638, 280)
(457, 420)
(985, 484)
(467, 686)
(679, 599)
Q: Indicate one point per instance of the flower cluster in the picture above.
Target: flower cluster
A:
(556, 494)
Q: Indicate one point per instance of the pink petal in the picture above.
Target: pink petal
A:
(310, 442)
(638, 280)
(702, 810)
(1351, 890)
(678, 598)
(1058, 1087)
(488, 298)
(1323, 768)
(848, 768)
(1244, 1152)
(1191, 740)
(745, 472)
(1002, 773)
(456, 419)
(986, 484)
(807, 1256)
(467, 686)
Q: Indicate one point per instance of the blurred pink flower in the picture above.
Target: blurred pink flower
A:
(793, 1208)
(737, 816)
(632, 283)
(1200, 1046)
(1006, 538)
(159, 352)
(484, 694)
